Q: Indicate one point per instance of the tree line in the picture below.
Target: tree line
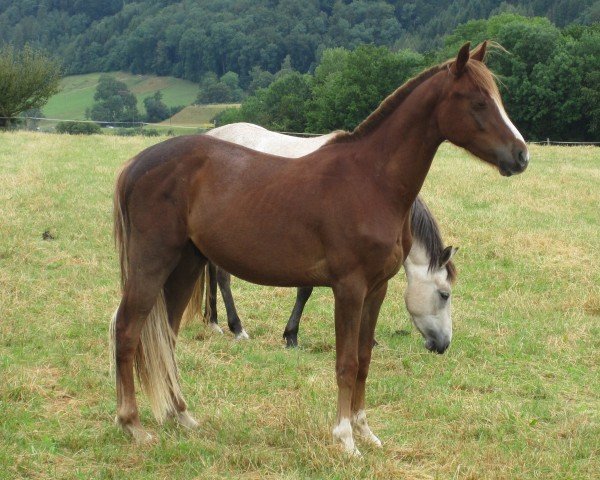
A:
(191, 39)
(549, 79)
(549, 76)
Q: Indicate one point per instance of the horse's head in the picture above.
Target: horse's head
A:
(428, 297)
(470, 114)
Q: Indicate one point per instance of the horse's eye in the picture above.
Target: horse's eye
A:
(480, 105)
(445, 295)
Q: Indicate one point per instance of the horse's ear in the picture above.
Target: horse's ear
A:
(479, 52)
(458, 67)
(447, 255)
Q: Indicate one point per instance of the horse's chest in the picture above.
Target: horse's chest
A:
(383, 254)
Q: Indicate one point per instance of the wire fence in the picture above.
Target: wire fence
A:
(32, 123)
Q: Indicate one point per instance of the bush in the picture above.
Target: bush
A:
(78, 128)
(227, 116)
(132, 132)
(150, 132)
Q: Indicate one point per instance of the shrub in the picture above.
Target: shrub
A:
(78, 128)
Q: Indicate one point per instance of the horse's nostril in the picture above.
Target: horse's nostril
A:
(523, 160)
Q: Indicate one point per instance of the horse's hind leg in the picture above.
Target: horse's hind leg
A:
(291, 329)
(233, 319)
(141, 293)
(178, 291)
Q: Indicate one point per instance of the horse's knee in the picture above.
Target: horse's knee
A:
(346, 371)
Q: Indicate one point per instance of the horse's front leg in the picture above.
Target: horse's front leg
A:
(349, 298)
(370, 313)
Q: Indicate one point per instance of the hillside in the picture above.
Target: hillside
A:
(198, 114)
(187, 39)
(77, 93)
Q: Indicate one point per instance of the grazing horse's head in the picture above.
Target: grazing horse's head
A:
(470, 114)
(428, 296)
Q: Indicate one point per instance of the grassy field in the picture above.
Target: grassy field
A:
(77, 93)
(516, 396)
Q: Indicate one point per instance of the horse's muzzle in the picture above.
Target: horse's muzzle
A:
(437, 345)
(517, 163)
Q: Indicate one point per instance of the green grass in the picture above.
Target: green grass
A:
(198, 114)
(516, 396)
(77, 93)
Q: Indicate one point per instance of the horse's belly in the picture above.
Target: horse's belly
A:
(268, 253)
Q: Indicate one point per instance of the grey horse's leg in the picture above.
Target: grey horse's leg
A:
(291, 329)
(233, 319)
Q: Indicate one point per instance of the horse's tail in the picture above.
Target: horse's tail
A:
(201, 294)
(154, 359)
(121, 224)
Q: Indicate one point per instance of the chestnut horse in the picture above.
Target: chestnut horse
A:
(429, 269)
(337, 217)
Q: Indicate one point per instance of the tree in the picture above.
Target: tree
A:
(350, 85)
(113, 102)
(282, 106)
(219, 90)
(28, 78)
(156, 110)
(259, 78)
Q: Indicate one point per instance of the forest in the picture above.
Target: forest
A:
(187, 39)
(324, 64)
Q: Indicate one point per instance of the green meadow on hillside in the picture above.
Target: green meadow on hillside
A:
(77, 93)
(517, 396)
(198, 114)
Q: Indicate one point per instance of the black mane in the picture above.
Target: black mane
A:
(426, 231)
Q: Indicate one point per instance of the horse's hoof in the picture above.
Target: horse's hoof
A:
(291, 341)
(342, 433)
(371, 439)
(186, 420)
(142, 437)
(243, 335)
(352, 452)
(215, 327)
(361, 429)
(135, 431)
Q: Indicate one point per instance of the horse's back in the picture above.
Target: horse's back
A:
(263, 140)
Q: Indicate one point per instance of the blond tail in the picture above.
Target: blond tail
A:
(155, 363)
(194, 306)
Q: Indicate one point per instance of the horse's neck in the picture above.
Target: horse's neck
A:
(416, 264)
(406, 142)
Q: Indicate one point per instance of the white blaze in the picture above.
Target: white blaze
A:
(508, 123)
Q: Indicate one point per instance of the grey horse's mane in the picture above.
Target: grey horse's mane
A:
(426, 231)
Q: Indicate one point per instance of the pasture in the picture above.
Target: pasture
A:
(77, 92)
(198, 114)
(516, 396)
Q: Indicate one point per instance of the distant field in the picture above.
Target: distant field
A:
(517, 396)
(198, 114)
(77, 93)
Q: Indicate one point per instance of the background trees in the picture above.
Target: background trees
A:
(28, 78)
(187, 38)
(239, 50)
(350, 85)
(114, 102)
(549, 80)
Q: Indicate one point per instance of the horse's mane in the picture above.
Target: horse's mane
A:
(481, 76)
(426, 232)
